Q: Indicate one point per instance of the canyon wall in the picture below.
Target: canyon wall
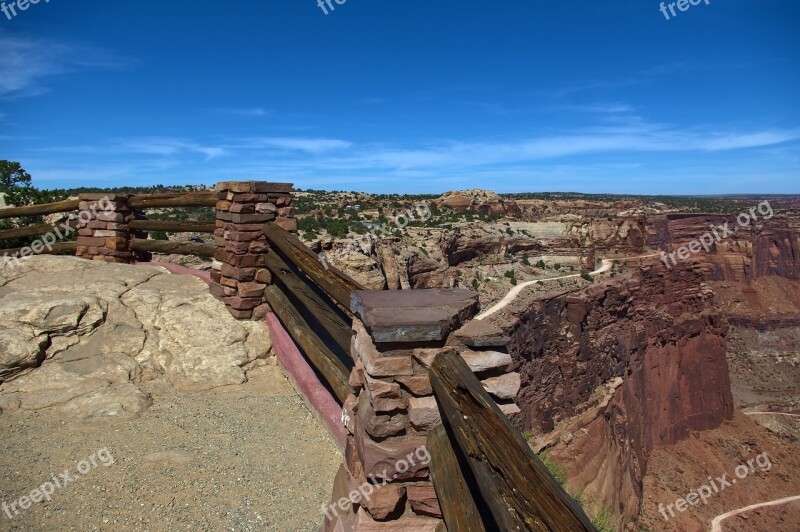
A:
(618, 368)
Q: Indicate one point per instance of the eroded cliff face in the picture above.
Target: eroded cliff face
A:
(766, 247)
(619, 368)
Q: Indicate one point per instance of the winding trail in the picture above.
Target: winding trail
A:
(512, 294)
(716, 524)
(772, 414)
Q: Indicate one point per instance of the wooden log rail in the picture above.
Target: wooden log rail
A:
(170, 246)
(329, 319)
(37, 230)
(513, 483)
(321, 357)
(157, 201)
(171, 227)
(333, 281)
(37, 210)
(59, 248)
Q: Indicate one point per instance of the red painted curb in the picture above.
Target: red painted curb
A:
(305, 380)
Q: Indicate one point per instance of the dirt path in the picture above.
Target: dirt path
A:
(772, 414)
(716, 524)
(605, 265)
(247, 457)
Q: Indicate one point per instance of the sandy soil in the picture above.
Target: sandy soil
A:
(247, 457)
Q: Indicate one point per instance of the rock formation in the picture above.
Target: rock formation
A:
(79, 335)
(614, 370)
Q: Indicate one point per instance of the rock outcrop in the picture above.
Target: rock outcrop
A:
(619, 368)
(79, 335)
(479, 201)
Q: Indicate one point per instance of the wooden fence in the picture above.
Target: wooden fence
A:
(485, 475)
(139, 202)
(484, 472)
(312, 300)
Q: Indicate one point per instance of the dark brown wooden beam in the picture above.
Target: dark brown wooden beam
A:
(173, 227)
(518, 489)
(171, 246)
(340, 331)
(322, 358)
(191, 199)
(336, 283)
(36, 210)
(36, 230)
(455, 499)
(59, 248)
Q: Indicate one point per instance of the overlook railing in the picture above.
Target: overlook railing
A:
(412, 369)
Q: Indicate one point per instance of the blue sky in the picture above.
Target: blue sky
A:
(406, 96)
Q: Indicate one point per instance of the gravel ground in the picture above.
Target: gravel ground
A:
(247, 457)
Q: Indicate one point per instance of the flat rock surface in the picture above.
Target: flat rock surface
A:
(205, 431)
(246, 457)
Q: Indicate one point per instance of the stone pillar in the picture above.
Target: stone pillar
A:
(103, 232)
(238, 274)
(384, 483)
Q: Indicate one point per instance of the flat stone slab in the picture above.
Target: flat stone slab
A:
(481, 333)
(413, 315)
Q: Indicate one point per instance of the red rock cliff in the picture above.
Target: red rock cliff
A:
(619, 368)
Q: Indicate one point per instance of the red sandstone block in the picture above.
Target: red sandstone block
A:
(90, 241)
(266, 208)
(281, 201)
(248, 261)
(251, 289)
(241, 314)
(262, 187)
(249, 228)
(423, 499)
(85, 231)
(249, 198)
(117, 243)
(258, 246)
(286, 212)
(237, 248)
(223, 205)
(384, 396)
(234, 186)
(217, 290)
(240, 274)
(243, 208)
(227, 281)
(260, 311)
(244, 236)
(243, 303)
(263, 275)
(111, 217)
(215, 275)
(289, 224)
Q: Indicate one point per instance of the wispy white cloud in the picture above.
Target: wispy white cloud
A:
(304, 144)
(243, 111)
(167, 146)
(25, 63)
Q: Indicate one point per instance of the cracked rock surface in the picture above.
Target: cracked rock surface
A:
(81, 336)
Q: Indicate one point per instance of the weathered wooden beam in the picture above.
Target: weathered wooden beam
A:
(340, 331)
(171, 246)
(519, 491)
(36, 230)
(41, 209)
(59, 248)
(173, 227)
(455, 499)
(191, 199)
(322, 358)
(336, 283)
